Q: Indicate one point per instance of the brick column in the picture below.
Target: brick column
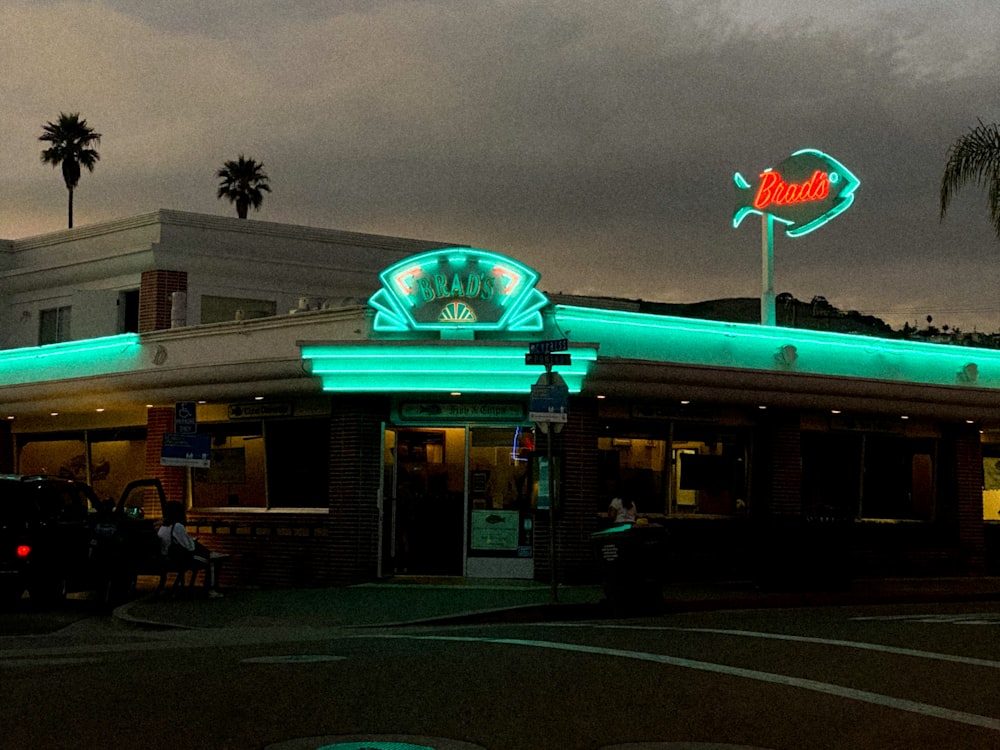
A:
(155, 290)
(355, 475)
(158, 421)
(969, 496)
(783, 451)
(576, 448)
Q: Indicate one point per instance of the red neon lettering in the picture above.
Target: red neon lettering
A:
(774, 190)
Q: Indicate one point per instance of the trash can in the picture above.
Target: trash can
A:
(631, 560)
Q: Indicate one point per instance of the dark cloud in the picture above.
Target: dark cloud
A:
(595, 141)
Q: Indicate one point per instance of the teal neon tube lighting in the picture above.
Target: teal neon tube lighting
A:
(72, 359)
(740, 345)
(443, 367)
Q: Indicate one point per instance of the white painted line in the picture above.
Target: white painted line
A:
(293, 659)
(62, 662)
(970, 618)
(861, 645)
(838, 691)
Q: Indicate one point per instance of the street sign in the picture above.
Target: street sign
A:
(185, 417)
(549, 401)
(547, 359)
(181, 449)
(547, 347)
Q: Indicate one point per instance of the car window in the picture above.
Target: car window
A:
(62, 501)
(15, 503)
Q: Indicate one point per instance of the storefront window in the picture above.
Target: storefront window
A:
(64, 457)
(991, 476)
(274, 464)
(868, 476)
(502, 491)
(117, 457)
(682, 469)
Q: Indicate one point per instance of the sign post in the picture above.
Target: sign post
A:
(549, 406)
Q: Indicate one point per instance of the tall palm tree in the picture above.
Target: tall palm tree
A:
(72, 140)
(244, 183)
(975, 157)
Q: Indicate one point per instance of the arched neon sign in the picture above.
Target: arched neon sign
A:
(458, 289)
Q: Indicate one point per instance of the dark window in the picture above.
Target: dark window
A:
(53, 325)
(128, 311)
(298, 462)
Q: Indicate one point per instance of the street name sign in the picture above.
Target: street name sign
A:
(548, 359)
(547, 347)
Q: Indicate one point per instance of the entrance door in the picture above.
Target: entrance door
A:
(425, 483)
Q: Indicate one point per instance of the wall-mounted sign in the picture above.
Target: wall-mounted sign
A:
(803, 192)
(183, 449)
(185, 417)
(494, 530)
(260, 410)
(458, 289)
(458, 411)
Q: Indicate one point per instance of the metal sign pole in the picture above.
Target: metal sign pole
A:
(768, 316)
(552, 517)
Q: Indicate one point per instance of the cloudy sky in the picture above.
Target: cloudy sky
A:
(595, 141)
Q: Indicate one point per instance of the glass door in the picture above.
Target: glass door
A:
(425, 490)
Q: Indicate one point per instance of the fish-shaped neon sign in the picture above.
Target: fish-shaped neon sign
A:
(803, 192)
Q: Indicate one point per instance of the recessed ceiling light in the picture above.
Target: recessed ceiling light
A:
(99, 409)
(258, 398)
(835, 411)
(53, 414)
(903, 416)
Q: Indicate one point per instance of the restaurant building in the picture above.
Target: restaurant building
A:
(335, 407)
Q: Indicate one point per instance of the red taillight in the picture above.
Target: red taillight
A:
(23, 550)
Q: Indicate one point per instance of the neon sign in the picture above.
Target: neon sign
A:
(458, 289)
(803, 192)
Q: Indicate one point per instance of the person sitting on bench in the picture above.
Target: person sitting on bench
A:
(184, 552)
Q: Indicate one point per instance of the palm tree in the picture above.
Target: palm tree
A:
(71, 140)
(975, 157)
(243, 182)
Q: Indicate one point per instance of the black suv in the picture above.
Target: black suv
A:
(57, 536)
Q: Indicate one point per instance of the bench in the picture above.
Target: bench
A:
(150, 562)
(163, 566)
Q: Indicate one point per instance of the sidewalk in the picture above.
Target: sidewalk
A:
(418, 600)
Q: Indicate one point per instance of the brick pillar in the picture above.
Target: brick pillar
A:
(158, 421)
(155, 290)
(576, 448)
(783, 450)
(969, 496)
(355, 476)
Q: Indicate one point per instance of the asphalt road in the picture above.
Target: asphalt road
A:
(924, 676)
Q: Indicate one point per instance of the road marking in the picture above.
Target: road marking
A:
(838, 691)
(292, 659)
(61, 662)
(974, 618)
(860, 645)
